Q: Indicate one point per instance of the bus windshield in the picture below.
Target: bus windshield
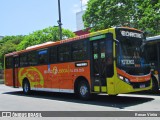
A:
(129, 53)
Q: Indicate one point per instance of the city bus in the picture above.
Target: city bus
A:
(107, 61)
(152, 53)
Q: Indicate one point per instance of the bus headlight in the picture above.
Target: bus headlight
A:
(124, 79)
(121, 77)
(127, 81)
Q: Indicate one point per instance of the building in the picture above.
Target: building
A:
(82, 32)
(79, 20)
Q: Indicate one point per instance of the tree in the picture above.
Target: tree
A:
(15, 39)
(6, 48)
(8, 44)
(42, 36)
(150, 20)
(101, 14)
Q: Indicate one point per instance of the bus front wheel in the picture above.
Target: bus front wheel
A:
(155, 87)
(84, 90)
(26, 87)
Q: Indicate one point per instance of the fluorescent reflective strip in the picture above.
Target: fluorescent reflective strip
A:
(54, 90)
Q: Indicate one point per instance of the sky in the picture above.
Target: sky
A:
(22, 17)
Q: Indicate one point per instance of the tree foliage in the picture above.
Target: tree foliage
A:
(9, 44)
(141, 14)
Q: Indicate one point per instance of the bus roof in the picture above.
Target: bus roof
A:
(49, 44)
(153, 39)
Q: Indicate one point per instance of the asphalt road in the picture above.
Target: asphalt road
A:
(13, 99)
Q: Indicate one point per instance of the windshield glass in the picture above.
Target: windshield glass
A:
(129, 52)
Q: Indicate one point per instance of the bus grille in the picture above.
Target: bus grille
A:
(138, 71)
(140, 84)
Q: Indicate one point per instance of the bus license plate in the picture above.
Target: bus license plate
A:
(142, 86)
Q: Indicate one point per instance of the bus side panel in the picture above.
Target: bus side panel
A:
(36, 76)
(9, 77)
(64, 75)
(58, 76)
(61, 76)
(42, 77)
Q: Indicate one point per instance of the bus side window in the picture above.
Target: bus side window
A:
(53, 55)
(64, 53)
(79, 50)
(151, 52)
(32, 58)
(23, 60)
(43, 56)
(8, 62)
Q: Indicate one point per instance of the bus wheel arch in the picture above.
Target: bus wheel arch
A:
(155, 86)
(26, 86)
(82, 88)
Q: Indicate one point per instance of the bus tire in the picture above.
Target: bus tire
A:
(155, 87)
(26, 87)
(83, 90)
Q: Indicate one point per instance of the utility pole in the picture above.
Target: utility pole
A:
(59, 21)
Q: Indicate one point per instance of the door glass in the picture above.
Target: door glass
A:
(99, 63)
(102, 63)
(95, 59)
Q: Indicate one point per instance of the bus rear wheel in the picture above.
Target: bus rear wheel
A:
(83, 90)
(26, 87)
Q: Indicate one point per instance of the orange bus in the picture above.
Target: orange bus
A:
(107, 61)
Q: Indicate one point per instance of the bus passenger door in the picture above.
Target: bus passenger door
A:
(98, 65)
(15, 71)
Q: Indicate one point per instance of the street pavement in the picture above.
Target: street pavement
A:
(13, 99)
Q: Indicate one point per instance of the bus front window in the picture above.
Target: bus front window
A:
(129, 56)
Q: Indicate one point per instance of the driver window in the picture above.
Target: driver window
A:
(109, 54)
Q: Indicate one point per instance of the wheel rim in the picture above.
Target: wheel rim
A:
(26, 88)
(83, 90)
